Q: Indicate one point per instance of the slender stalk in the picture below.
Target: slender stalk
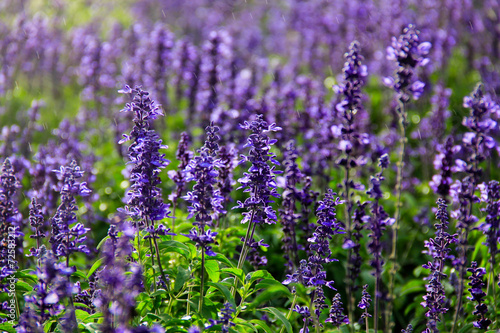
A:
(188, 307)
(163, 276)
(367, 324)
(461, 279)
(244, 250)
(202, 279)
(174, 204)
(289, 315)
(397, 215)
(463, 241)
(349, 282)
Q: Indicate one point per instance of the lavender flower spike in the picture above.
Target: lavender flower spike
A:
(478, 295)
(259, 181)
(438, 249)
(65, 237)
(144, 198)
(336, 316)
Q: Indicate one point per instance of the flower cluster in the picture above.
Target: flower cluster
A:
(365, 302)
(206, 200)
(225, 318)
(67, 239)
(10, 230)
(409, 53)
(52, 290)
(259, 181)
(336, 316)
(477, 295)
(183, 155)
(289, 217)
(438, 248)
(311, 273)
(36, 221)
(144, 202)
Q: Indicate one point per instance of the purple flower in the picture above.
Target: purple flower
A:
(365, 302)
(9, 228)
(477, 295)
(288, 214)
(225, 320)
(408, 53)
(438, 248)
(206, 200)
(336, 316)
(37, 222)
(260, 180)
(144, 201)
(491, 224)
(52, 289)
(183, 155)
(68, 236)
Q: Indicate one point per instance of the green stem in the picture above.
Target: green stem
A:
(397, 217)
(289, 315)
(202, 279)
(244, 250)
(173, 214)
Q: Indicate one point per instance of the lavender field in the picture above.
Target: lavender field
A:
(262, 166)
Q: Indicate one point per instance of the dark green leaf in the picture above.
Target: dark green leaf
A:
(225, 291)
(261, 274)
(221, 258)
(280, 316)
(261, 324)
(175, 246)
(181, 278)
(94, 267)
(234, 271)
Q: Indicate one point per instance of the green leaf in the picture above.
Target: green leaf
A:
(25, 275)
(261, 324)
(5, 327)
(94, 267)
(221, 258)
(412, 287)
(280, 316)
(260, 274)
(23, 286)
(175, 246)
(79, 275)
(244, 323)
(344, 329)
(272, 290)
(466, 328)
(159, 292)
(234, 271)
(81, 315)
(225, 291)
(212, 268)
(101, 243)
(181, 278)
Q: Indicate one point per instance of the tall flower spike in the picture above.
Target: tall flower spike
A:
(8, 226)
(438, 248)
(377, 223)
(67, 239)
(205, 199)
(36, 222)
(478, 295)
(288, 214)
(337, 316)
(144, 197)
(409, 53)
(259, 181)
